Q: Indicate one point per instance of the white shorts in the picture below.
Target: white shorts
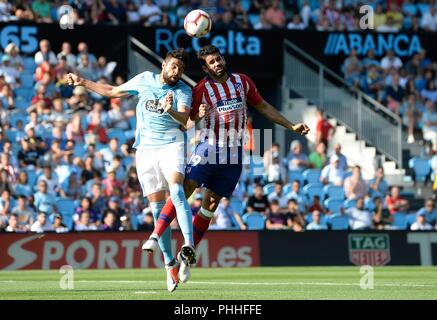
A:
(154, 166)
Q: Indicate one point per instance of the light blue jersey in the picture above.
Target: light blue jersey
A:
(155, 128)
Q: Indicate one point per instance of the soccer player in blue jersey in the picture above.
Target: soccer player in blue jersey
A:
(163, 106)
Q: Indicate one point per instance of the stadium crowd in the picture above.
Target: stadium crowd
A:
(67, 164)
(323, 15)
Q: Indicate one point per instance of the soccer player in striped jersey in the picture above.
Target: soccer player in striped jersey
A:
(221, 98)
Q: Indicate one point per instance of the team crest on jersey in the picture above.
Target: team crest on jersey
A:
(239, 87)
(154, 106)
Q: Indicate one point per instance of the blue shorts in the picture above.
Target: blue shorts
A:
(215, 168)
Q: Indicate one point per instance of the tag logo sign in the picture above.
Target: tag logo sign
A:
(369, 249)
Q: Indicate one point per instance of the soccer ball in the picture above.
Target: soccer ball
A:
(197, 23)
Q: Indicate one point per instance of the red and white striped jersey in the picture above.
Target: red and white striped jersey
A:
(225, 119)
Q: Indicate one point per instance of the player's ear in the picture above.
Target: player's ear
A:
(205, 69)
(163, 64)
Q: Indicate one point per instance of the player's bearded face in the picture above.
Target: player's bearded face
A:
(216, 65)
(172, 71)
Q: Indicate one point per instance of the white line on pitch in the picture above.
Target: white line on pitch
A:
(244, 283)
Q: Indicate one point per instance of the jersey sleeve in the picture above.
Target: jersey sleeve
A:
(196, 100)
(132, 86)
(184, 97)
(252, 93)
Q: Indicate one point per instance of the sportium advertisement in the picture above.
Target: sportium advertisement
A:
(119, 250)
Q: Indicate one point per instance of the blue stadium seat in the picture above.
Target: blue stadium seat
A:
(31, 178)
(66, 208)
(338, 222)
(134, 221)
(11, 135)
(411, 218)
(347, 174)
(22, 103)
(312, 190)
(269, 188)
(15, 117)
(333, 205)
(400, 221)
(334, 192)
(312, 175)
(29, 64)
(423, 8)
(287, 188)
(349, 204)
(80, 150)
(409, 8)
(27, 80)
(323, 218)
(117, 133)
(25, 93)
(295, 175)
(254, 221)
(132, 122)
(127, 161)
(421, 168)
(254, 19)
(369, 205)
(237, 206)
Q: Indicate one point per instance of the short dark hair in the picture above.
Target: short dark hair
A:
(179, 54)
(206, 51)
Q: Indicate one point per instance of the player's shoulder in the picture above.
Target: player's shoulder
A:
(242, 76)
(183, 86)
(199, 87)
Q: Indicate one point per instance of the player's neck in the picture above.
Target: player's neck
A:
(221, 79)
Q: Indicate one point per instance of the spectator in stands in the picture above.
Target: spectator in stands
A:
(263, 23)
(297, 194)
(42, 10)
(197, 203)
(227, 21)
(388, 26)
(296, 23)
(116, 116)
(294, 217)
(10, 74)
(5, 165)
(115, 12)
(132, 14)
(390, 61)
(65, 168)
(27, 156)
(370, 59)
(13, 52)
(318, 157)
(147, 224)
(25, 215)
(13, 224)
(296, 159)
(22, 188)
(150, 13)
(394, 94)
(96, 133)
(41, 224)
(51, 179)
(354, 186)
(429, 211)
(421, 223)
(85, 69)
(395, 203)
(372, 82)
(82, 49)
(276, 171)
(341, 158)
(85, 224)
(274, 14)
(74, 130)
(333, 173)
(111, 183)
(110, 221)
(258, 202)
(7, 102)
(45, 53)
(324, 130)
(89, 172)
(269, 154)
(226, 218)
(67, 53)
(278, 195)
(44, 201)
(316, 223)
(429, 119)
(429, 92)
(58, 225)
(276, 220)
(359, 217)
(70, 188)
(110, 152)
(97, 199)
(378, 185)
(314, 204)
(429, 19)
(412, 111)
(6, 203)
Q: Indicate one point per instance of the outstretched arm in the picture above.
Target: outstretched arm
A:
(268, 111)
(105, 90)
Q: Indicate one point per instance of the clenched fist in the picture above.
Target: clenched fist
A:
(74, 80)
(301, 128)
(202, 110)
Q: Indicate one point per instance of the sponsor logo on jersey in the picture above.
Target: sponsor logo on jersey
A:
(369, 249)
(154, 106)
(229, 105)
